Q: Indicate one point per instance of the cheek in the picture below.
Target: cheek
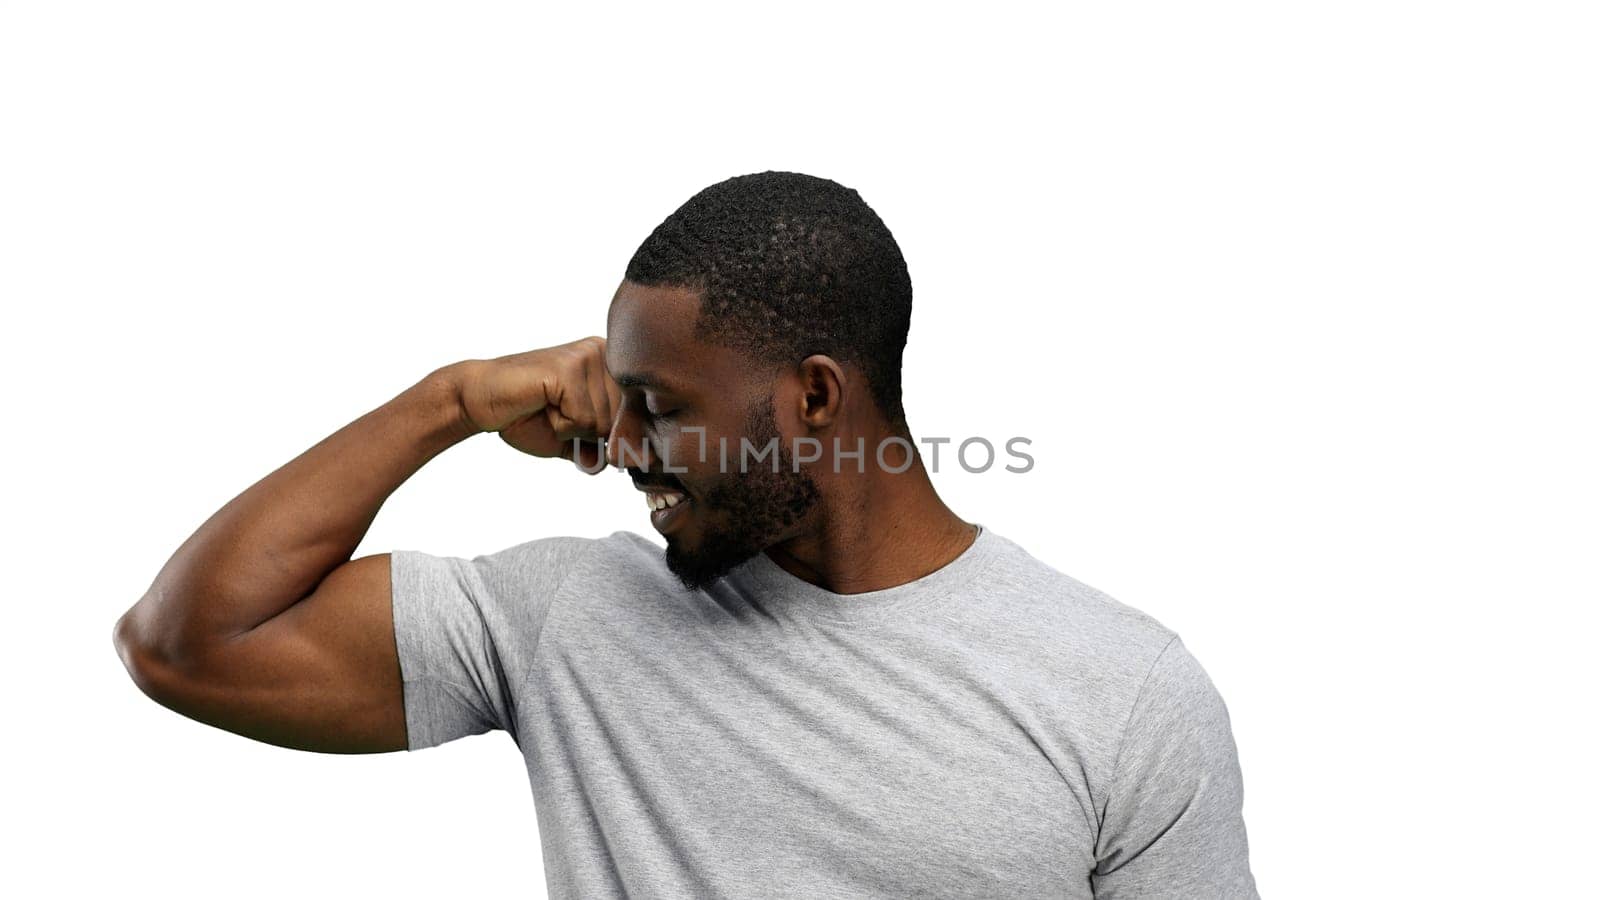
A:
(678, 452)
(702, 451)
(703, 480)
(708, 485)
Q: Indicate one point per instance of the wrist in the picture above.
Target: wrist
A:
(438, 398)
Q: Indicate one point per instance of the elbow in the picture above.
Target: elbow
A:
(153, 664)
(135, 655)
(122, 640)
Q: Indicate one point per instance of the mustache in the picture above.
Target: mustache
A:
(643, 480)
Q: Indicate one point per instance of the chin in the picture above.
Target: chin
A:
(691, 572)
(698, 568)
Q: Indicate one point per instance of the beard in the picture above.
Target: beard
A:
(744, 513)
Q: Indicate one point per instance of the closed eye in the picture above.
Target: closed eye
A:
(648, 406)
(659, 415)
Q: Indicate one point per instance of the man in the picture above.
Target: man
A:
(829, 685)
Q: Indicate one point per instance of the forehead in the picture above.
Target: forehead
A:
(650, 337)
(641, 313)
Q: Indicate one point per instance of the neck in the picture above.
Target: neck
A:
(881, 529)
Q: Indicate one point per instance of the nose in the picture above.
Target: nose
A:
(625, 445)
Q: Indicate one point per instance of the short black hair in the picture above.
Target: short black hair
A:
(789, 265)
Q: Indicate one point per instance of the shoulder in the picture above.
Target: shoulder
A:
(618, 563)
(618, 556)
(1046, 609)
(1087, 660)
(557, 556)
(522, 580)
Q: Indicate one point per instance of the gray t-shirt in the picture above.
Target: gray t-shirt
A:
(993, 729)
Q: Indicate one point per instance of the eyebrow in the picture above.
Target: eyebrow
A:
(642, 380)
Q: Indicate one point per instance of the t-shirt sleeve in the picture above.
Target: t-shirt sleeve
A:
(465, 631)
(1174, 824)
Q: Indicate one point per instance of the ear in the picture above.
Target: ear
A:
(822, 391)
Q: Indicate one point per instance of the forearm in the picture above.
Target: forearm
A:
(270, 546)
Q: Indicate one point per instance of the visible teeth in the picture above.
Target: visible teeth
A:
(662, 501)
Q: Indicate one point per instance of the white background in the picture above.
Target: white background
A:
(1294, 303)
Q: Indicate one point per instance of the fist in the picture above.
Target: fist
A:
(542, 401)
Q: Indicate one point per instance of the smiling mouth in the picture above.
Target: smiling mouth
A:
(666, 506)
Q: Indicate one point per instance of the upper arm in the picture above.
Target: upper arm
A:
(322, 675)
(1173, 825)
(395, 651)
(466, 631)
